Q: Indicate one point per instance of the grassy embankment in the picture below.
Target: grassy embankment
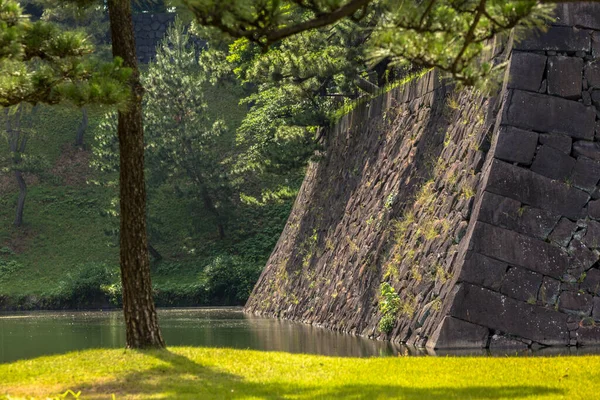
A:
(203, 373)
(66, 239)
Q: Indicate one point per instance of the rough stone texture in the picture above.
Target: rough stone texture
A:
(586, 174)
(584, 14)
(526, 71)
(530, 188)
(342, 240)
(481, 216)
(521, 284)
(564, 76)
(471, 335)
(591, 283)
(491, 309)
(559, 142)
(557, 38)
(592, 74)
(516, 145)
(563, 232)
(587, 149)
(553, 163)
(483, 271)
(551, 114)
(575, 302)
(549, 291)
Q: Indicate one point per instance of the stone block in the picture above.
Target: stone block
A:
(521, 284)
(586, 174)
(565, 76)
(483, 271)
(516, 145)
(498, 210)
(563, 232)
(553, 163)
(536, 190)
(575, 303)
(596, 309)
(559, 142)
(557, 38)
(549, 291)
(587, 149)
(582, 258)
(592, 74)
(508, 213)
(155, 25)
(591, 282)
(592, 235)
(551, 114)
(594, 209)
(582, 14)
(498, 342)
(596, 44)
(484, 307)
(588, 336)
(457, 334)
(520, 250)
(526, 71)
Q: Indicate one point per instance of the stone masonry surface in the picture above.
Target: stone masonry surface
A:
(483, 212)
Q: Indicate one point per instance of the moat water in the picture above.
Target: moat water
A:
(33, 334)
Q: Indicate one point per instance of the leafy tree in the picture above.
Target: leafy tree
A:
(446, 34)
(182, 143)
(41, 63)
(18, 121)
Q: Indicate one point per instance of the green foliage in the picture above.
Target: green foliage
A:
(451, 35)
(389, 305)
(229, 279)
(39, 62)
(87, 286)
(446, 34)
(8, 267)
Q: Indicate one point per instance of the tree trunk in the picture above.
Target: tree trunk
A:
(141, 321)
(21, 200)
(82, 128)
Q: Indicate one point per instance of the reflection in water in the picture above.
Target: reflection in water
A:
(32, 334)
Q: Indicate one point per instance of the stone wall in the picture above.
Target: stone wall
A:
(482, 212)
(149, 30)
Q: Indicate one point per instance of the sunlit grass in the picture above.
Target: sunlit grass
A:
(201, 373)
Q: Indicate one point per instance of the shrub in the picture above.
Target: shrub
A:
(89, 285)
(228, 280)
(389, 304)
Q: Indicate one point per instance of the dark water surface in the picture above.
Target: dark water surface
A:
(32, 334)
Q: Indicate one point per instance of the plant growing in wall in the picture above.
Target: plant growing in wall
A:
(389, 304)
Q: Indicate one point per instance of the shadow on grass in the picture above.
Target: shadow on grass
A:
(183, 378)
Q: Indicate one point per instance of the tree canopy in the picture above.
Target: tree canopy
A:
(40, 63)
(446, 34)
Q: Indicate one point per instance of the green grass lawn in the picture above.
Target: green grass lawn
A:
(202, 373)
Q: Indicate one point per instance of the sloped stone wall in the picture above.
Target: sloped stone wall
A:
(391, 201)
(535, 228)
(482, 212)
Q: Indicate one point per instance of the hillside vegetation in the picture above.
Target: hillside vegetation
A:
(66, 253)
